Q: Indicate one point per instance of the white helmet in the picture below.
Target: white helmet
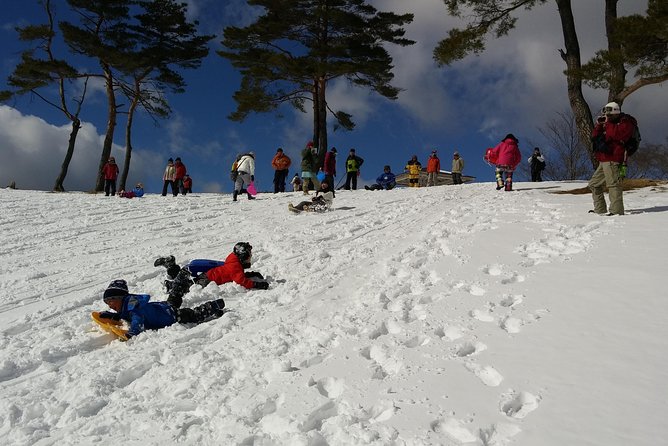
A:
(612, 108)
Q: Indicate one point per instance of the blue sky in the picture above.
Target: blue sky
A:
(516, 86)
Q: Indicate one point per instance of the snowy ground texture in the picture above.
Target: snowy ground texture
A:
(438, 316)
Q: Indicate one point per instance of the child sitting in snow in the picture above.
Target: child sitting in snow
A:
(142, 315)
(138, 191)
(202, 272)
(320, 203)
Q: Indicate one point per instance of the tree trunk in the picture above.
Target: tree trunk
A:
(111, 126)
(571, 56)
(316, 113)
(59, 186)
(618, 75)
(128, 142)
(322, 121)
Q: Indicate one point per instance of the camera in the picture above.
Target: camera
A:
(601, 119)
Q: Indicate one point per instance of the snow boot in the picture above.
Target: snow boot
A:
(234, 196)
(165, 261)
(250, 197)
(509, 184)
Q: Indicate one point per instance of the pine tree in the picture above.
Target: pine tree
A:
(297, 47)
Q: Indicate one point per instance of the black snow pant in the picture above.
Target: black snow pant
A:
(201, 313)
(109, 187)
(164, 188)
(279, 180)
(351, 177)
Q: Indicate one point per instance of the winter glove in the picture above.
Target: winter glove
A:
(253, 274)
(262, 285)
(252, 177)
(110, 315)
(622, 171)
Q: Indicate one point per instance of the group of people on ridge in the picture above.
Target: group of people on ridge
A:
(176, 177)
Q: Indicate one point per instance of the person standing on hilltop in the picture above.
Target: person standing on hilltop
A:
(433, 168)
(281, 163)
(110, 172)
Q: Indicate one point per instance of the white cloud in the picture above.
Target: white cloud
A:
(33, 151)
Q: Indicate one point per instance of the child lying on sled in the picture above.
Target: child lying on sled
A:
(204, 271)
(322, 201)
(143, 315)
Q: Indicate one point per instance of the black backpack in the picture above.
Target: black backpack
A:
(633, 143)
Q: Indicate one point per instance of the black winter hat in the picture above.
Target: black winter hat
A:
(116, 289)
(511, 136)
(170, 160)
(178, 159)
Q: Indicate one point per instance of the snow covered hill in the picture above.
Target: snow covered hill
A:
(436, 316)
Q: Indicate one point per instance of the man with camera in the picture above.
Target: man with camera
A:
(612, 131)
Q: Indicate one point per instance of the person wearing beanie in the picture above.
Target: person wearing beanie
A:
(309, 167)
(413, 168)
(353, 165)
(329, 166)
(168, 178)
(612, 137)
(110, 173)
(507, 155)
(280, 163)
(141, 314)
(245, 175)
(433, 168)
(179, 174)
(536, 164)
(187, 184)
(296, 183)
(457, 168)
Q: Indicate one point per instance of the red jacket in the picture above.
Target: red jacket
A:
(110, 171)
(230, 271)
(330, 164)
(616, 134)
(434, 164)
(188, 183)
(508, 154)
(180, 170)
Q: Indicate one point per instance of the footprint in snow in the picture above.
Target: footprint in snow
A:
(471, 288)
(449, 333)
(482, 315)
(518, 404)
(510, 301)
(493, 270)
(514, 277)
(487, 374)
(454, 429)
(511, 324)
(329, 387)
(470, 349)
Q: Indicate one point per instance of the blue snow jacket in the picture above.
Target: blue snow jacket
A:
(199, 266)
(386, 179)
(144, 315)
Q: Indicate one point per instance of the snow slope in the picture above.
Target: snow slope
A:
(437, 316)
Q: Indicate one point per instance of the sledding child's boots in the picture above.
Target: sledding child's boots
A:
(499, 179)
(509, 184)
(250, 197)
(165, 261)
